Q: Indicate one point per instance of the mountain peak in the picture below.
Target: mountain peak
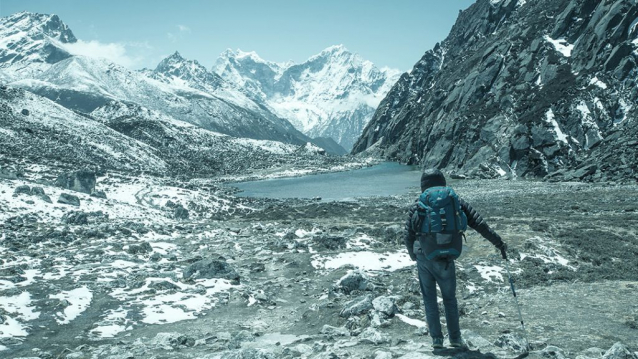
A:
(35, 25)
(33, 38)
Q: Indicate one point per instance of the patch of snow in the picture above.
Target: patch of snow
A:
(597, 82)
(550, 118)
(79, 300)
(365, 260)
(410, 321)
(489, 272)
(561, 45)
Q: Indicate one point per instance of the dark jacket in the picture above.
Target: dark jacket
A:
(474, 221)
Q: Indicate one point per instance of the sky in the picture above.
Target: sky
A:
(139, 33)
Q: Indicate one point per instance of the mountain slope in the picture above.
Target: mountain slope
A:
(332, 94)
(525, 88)
(35, 58)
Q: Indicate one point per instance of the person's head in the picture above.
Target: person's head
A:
(432, 177)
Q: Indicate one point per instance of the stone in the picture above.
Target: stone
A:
(77, 218)
(25, 112)
(80, 181)
(211, 268)
(331, 331)
(24, 189)
(473, 340)
(357, 306)
(511, 342)
(141, 248)
(354, 280)
(373, 336)
(39, 192)
(98, 194)
(552, 352)
(385, 305)
(619, 351)
(170, 341)
(69, 199)
(180, 212)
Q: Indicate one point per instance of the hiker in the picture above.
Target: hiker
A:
(434, 239)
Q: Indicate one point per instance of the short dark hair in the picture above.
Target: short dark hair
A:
(432, 177)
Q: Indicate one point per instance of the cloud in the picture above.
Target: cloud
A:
(183, 28)
(114, 52)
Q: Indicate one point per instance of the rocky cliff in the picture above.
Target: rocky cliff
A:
(544, 88)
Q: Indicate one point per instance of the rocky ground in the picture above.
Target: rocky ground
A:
(145, 267)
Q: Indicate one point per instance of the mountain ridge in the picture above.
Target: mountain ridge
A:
(332, 94)
(520, 89)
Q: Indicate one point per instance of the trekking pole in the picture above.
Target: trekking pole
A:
(520, 316)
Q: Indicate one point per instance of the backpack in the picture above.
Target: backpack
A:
(440, 223)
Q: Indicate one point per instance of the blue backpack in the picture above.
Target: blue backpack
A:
(440, 223)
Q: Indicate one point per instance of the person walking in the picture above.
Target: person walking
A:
(434, 246)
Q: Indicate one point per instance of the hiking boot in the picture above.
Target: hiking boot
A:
(457, 343)
(437, 343)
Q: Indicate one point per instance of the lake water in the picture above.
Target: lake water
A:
(385, 179)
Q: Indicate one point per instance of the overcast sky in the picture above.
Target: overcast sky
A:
(139, 33)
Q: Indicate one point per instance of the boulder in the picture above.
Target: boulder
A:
(79, 181)
(354, 280)
(373, 336)
(180, 212)
(76, 218)
(141, 248)
(211, 268)
(24, 189)
(170, 341)
(331, 331)
(357, 306)
(25, 112)
(39, 192)
(385, 305)
(619, 351)
(512, 342)
(69, 199)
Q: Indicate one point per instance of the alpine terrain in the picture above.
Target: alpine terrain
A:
(124, 232)
(333, 94)
(36, 55)
(543, 88)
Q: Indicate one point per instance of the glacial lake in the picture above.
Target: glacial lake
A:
(385, 179)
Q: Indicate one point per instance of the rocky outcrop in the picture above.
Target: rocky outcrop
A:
(79, 181)
(521, 89)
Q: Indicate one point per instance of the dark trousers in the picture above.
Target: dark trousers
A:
(443, 273)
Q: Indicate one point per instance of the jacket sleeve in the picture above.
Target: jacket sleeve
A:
(476, 222)
(410, 235)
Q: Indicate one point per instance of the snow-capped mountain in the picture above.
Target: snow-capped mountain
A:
(35, 59)
(27, 40)
(332, 94)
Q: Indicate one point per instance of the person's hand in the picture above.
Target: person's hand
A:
(503, 248)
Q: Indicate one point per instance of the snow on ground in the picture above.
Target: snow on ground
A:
(18, 311)
(561, 45)
(597, 82)
(547, 251)
(365, 260)
(78, 299)
(490, 272)
(411, 321)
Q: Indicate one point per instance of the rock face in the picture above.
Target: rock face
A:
(520, 88)
(332, 94)
(79, 181)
